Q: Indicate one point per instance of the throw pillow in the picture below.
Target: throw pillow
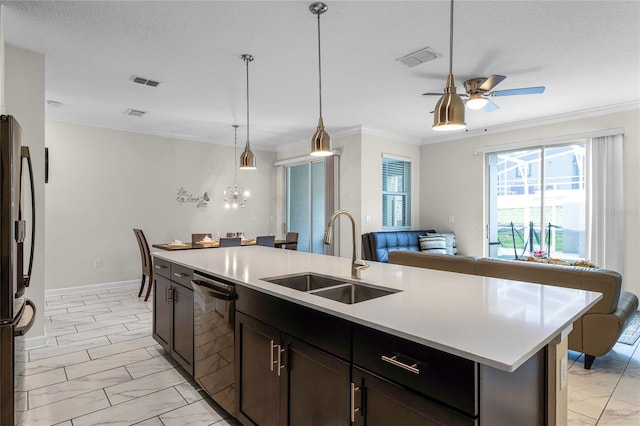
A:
(450, 240)
(433, 244)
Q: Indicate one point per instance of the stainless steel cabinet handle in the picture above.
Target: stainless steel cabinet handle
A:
(180, 274)
(280, 364)
(271, 362)
(354, 410)
(166, 295)
(392, 360)
(170, 292)
(160, 266)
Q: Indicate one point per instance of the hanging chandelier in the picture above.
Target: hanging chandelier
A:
(235, 196)
(320, 142)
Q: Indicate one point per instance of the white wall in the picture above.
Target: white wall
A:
(24, 97)
(371, 174)
(103, 183)
(453, 183)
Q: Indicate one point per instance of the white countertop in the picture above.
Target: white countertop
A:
(492, 321)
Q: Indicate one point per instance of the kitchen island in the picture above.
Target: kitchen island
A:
(497, 329)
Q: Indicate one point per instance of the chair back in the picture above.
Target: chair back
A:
(266, 240)
(291, 241)
(145, 254)
(199, 237)
(230, 242)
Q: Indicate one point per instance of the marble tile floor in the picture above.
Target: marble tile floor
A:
(103, 367)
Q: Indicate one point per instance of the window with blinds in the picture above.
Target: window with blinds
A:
(396, 193)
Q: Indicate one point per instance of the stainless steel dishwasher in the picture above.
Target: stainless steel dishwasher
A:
(213, 335)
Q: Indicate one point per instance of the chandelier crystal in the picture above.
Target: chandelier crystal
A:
(235, 196)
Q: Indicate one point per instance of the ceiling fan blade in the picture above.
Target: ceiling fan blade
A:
(491, 82)
(432, 94)
(490, 106)
(520, 91)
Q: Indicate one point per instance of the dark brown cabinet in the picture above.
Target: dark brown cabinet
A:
(377, 401)
(283, 379)
(173, 311)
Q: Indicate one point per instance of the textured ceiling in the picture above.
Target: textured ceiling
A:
(587, 54)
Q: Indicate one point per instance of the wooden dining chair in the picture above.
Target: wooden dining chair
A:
(230, 242)
(290, 241)
(266, 240)
(147, 266)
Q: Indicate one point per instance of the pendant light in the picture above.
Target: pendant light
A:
(449, 111)
(247, 159)
(235, 196)
(320, 142)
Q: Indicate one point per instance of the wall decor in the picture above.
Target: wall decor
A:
(187, 197)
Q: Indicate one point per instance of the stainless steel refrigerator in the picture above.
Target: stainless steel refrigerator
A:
(17, 313)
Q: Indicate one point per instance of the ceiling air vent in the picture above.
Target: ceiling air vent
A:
(419, 57)
(143, 80)
(135, 112)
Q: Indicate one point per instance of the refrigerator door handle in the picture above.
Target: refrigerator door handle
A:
(27, 318)
(24, 152)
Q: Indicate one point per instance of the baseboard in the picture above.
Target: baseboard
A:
(90, 287)
(35, 342)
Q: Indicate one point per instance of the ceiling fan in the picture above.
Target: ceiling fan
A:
(479, 90)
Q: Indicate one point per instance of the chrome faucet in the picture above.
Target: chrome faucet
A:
(357, 264)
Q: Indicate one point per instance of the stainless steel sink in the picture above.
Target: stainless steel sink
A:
(306, 281)
(354, 293)
(338, 289)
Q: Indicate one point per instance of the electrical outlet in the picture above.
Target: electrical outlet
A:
(451, 219)
(97, 263)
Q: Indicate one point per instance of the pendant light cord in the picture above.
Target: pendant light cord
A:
(451, 40)
(319, 67)
(247, 62)
(235, 152)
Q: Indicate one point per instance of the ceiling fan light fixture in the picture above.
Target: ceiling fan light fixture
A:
(477, 101)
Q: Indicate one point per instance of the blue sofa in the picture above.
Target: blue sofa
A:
(377, 245)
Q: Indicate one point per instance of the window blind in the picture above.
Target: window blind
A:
(396, 193)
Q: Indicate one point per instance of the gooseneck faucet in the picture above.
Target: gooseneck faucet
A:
(357, 264)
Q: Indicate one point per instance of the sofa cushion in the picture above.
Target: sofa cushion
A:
(385, 241)
(462, 264)
(450, 240)
(434, 244)
(604, 281)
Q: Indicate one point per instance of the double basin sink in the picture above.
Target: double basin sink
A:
(338, 289)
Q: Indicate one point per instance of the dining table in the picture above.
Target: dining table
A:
(205, 245)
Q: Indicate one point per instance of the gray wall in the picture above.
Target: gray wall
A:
(103, 183)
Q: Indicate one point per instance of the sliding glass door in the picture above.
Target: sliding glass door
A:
(306, 203)
(536, 202)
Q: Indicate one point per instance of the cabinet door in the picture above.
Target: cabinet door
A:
(316, 386)
(257, 379)
(378, 402)
(162, 312)
(182, 336)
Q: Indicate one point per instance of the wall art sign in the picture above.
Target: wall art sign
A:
(187, 197)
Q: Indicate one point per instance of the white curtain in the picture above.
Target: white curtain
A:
(605, 208)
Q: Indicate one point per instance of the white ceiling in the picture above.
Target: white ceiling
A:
(586, 53)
